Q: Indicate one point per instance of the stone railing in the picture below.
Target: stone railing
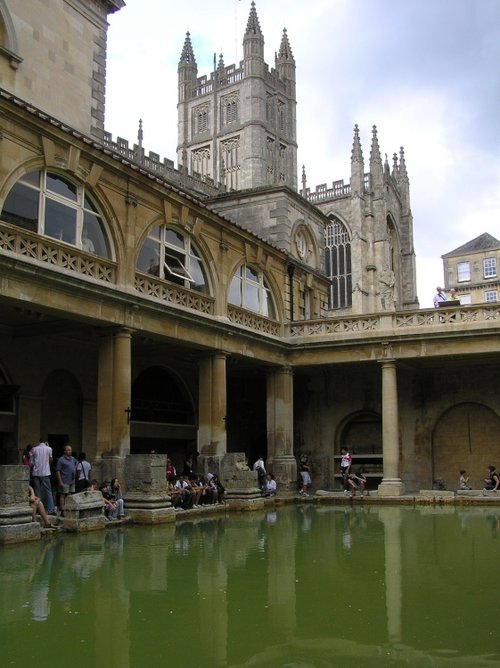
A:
(250, 320)
(338, 189)
(174, 294)
(18, 242)
(399, 323)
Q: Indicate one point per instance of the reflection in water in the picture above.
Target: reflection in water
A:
(305, 586)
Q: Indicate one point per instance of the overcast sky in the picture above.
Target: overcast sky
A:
(426, 72)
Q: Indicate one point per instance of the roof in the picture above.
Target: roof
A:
(481, 243)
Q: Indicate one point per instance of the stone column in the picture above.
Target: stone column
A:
(391, 484)
(280, 457)
(212, 407)
(104, 395)
(122, 358)
(15, 512)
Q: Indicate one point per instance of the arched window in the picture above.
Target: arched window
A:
(250, 290)
(170, 255)
(338, 264)
(48, 203)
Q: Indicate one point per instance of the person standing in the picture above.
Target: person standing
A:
(41, 457)
(82, 473)
(66, 470)
(345, 467)
(305, 474)
(439, 297)
(260, 468)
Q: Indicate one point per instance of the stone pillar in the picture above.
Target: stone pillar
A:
(15, 512)
(391, 484)
(280, 457)
(120, 434)
(104, 395)
(212, 402)
(146, 499)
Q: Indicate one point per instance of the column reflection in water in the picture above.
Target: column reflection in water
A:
(281, 574)
(391, 518)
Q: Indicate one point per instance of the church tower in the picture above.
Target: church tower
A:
(237, 126)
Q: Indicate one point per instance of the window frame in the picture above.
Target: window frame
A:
(463, 271)
(178, 258)
(245, 286)
(81, 205)
(490, 296)
(489, 267)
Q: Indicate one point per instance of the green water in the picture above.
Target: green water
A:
(300, 587)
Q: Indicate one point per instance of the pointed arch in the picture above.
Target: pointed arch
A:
(338, 263)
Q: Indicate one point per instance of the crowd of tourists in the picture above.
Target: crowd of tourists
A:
(51, 482)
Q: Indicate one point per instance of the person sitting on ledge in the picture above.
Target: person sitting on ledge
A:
(492, 481)
(464, 480)
(357, 481)
(38, 507)
(270, 485)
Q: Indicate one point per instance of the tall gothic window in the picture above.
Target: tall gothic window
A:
(338, 264)
(201, 118)
(170, 255)
(229, 109)
(250, 290)
(48, 203)
(201, 161)
(230, 166)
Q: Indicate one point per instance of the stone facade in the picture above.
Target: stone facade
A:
(197, 320)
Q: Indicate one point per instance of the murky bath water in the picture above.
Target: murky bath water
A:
(300, 587)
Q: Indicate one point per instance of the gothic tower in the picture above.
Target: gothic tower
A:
(237, 126)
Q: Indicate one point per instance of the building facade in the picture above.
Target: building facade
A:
(472, 269)
(148, 308)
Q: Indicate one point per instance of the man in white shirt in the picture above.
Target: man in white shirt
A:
(41, 457)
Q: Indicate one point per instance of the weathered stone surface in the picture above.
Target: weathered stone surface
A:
(146, 499)
(246, 505)
(14, 480)
(84, 512)
(19, 533)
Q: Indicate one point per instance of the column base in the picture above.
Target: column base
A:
(284, 469)
(391, 487)
(19, 533)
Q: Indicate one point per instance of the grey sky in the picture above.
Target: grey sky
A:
(426, 72)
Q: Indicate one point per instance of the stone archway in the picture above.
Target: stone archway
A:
(466, 436)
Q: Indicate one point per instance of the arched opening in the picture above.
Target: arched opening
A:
(465, 437)
(172, 256)
(249, 289)
(163, 415)
(48, 203)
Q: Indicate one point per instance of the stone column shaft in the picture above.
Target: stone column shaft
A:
(212, 406)
(280, 457)
(391, 484)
